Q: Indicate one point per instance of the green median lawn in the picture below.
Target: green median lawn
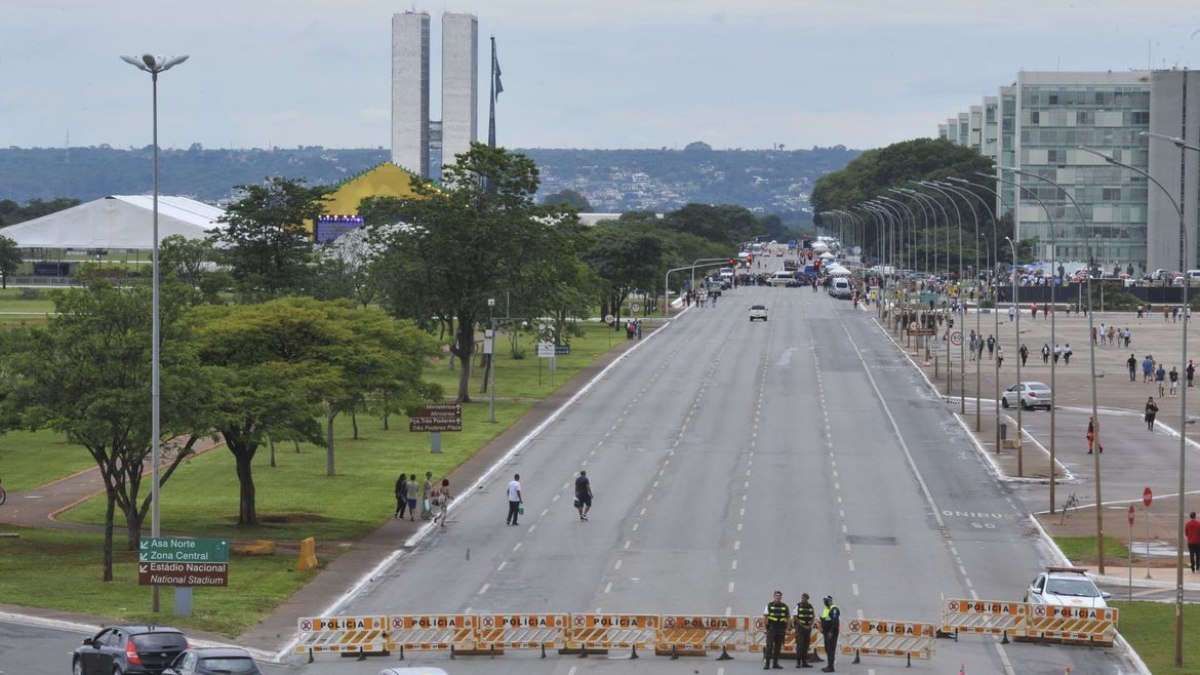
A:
(295, 499)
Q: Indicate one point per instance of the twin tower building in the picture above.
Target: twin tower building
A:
(419, 144)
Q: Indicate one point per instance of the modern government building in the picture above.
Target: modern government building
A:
(1037, 126)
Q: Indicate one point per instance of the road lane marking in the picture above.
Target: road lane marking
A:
(483, 589)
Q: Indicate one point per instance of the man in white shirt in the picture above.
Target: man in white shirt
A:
(514, 499)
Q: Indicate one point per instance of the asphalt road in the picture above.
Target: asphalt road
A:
(728, 459)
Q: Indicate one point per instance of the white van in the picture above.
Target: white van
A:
(840, 287)
(1193, 275)
(782, 278)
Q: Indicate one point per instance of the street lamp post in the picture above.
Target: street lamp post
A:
(962, 366)
(975, 287)
(154, 65)
(1183, 397)
(1020, 398)
(1092, 366)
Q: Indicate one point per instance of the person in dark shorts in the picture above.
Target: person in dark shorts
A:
(583, 495)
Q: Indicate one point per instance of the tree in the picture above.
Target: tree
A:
(467, 241)
(568, 198)
(10, 259)
(281, 365)
(86, 374)
(265, 243)
(626, 256)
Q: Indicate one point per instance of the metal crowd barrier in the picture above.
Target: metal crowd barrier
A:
(671, 635)
(1026, 621)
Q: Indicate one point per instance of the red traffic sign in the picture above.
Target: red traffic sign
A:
(1131, 514)
(1147, 497)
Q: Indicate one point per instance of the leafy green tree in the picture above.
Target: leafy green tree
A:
(86, 374)
(626, 256)
(466, 241)
(280, 366)
(345, 269)
(569, 198)
(264, 240)
(10, 259)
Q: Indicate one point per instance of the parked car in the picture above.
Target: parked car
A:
(128, 650)
(1065, 587)
(214, 661)
(758, 312)
(1029, 395)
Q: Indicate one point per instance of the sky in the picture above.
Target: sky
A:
(607, 74)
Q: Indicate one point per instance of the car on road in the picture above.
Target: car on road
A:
(1029, 395)
(758, 312)
(213, 661)
(1066, 587)
(128, 650)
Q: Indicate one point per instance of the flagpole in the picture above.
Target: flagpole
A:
(492, 98)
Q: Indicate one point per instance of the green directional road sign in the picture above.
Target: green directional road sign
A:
(183, 549)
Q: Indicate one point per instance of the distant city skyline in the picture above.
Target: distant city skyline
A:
(587, 74)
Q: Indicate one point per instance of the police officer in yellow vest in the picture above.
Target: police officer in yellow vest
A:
(831, 623)
(777, 616)
(803, 621)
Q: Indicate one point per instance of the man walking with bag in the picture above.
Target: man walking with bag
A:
(514, 500)
(583, 495)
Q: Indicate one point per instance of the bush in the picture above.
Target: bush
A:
(31, 294)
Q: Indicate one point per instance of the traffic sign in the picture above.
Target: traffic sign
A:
(1131, 515)
(1147, 497)
(437, 417)
(956, 338)
(183, 574)
(183, 549)
(545, 350)
(609, 318)
(635, 308)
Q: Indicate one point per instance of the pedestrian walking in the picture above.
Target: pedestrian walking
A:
(1024, 352)
(1034, 311)
(1092, 432)
(1192, 531)
(1173, 378)
(802, 622)
(999, 357)
(1132, 363)
(401, 495)
(1067, 352)
(1045, 352)
(831, 625)
(777, 617)
(426, 489)
(1128, 336)
(991, 345)
(583, 495)
(1160, 376)
(1151, 412)
(639, 329)
(514, 500)
(1103, 334)
(1057, 353)
(412, 496)
(1148, 368)
(1191, 372)
(441, 501)
(1012, 312)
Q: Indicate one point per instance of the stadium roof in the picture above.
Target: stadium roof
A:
(117, 222)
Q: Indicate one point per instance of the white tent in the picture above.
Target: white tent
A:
(827, 256)
(837, 271)
(118, 222)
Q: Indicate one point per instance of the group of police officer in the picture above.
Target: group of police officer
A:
(779, 618)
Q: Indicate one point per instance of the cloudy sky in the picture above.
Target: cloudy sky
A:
(576, 73)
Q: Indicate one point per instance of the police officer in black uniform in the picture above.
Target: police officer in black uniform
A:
(777, 615)
(803, 621)
(831, 624)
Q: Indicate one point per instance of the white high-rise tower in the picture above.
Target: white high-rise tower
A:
(410, 91)
(460, 84)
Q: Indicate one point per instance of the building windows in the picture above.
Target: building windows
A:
(1111, 194)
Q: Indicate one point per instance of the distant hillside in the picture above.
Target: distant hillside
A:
(765, 181)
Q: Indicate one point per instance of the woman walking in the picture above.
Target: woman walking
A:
(1151, 411)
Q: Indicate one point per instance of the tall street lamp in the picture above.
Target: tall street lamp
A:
(1182, 400)
(962, 366)
(1020, 398)
(154, 65)
(1092, 364)
(961, 191)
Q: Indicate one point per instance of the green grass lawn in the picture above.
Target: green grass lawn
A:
(1150, 628)
(1084, 548)
(295, 499)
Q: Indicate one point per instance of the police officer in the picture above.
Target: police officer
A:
(802, 621)
(831, 623)
(777, 615)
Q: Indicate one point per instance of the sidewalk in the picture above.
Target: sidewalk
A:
(1134, 456)
(343, 567)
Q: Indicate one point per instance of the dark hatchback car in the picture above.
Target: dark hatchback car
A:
(214, 661)
(128, 650)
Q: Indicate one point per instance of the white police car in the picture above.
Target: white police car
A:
(1065, 587)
